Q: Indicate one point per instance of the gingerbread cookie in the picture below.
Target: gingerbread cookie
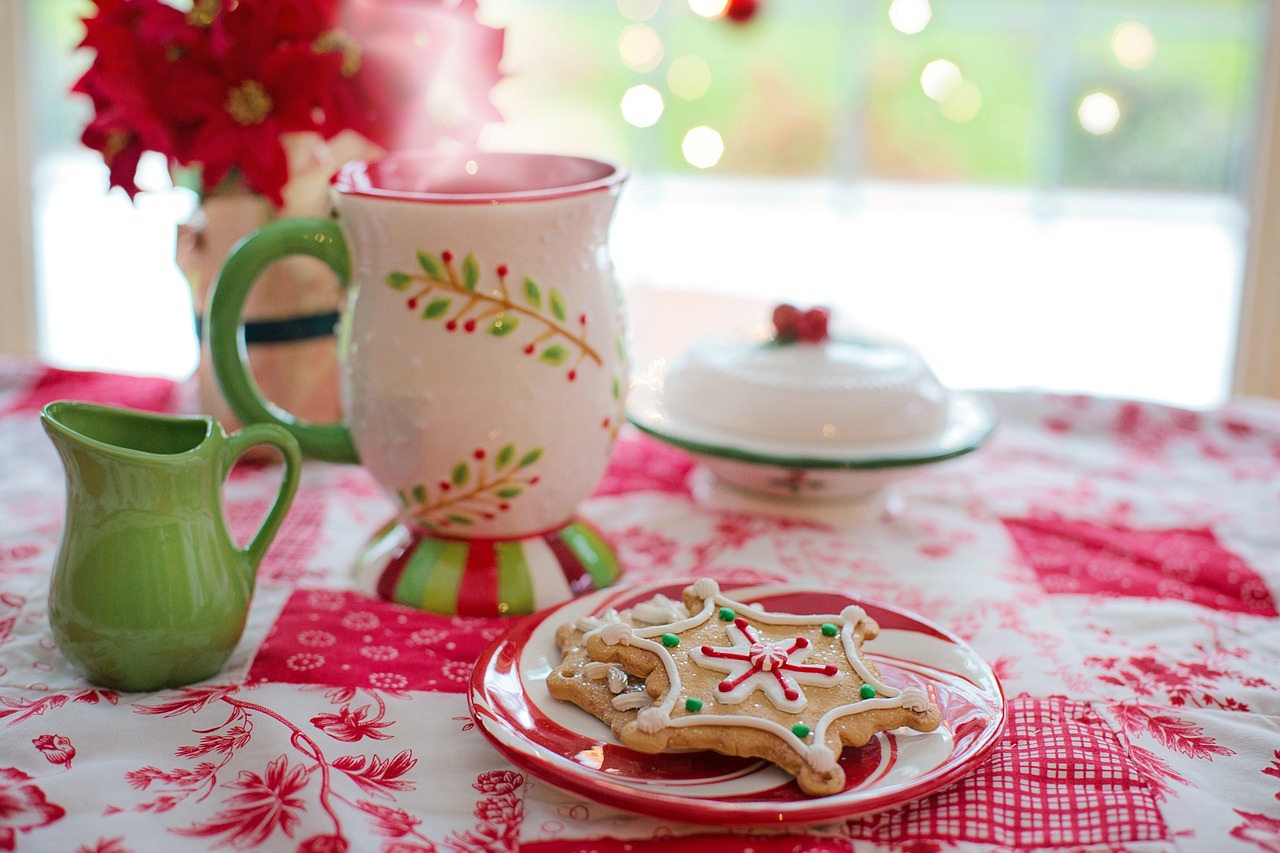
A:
(605, 690)
(793, 689)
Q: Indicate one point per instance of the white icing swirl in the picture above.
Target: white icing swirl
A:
(616, 633)
(913, 699)
(632, 701)
(705, 588)
(652, 720)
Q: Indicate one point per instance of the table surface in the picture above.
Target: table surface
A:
(1116, 562)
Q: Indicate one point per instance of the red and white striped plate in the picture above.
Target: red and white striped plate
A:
(561, 744)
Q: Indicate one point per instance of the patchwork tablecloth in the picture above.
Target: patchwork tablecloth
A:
(1116, 562)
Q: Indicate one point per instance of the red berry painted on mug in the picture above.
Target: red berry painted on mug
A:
(470, 326)
(451, 325)
(479, 454)
(447, 256)
(502, 271)
(528, 350)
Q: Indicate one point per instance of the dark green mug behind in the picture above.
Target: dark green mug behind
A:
(149, 589)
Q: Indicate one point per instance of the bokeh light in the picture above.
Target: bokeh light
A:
(638, 10)
(642, 106)
(939, 77)
(1133, 44)
(641, 48)
(689, 77)
(702, 147)
(961, 102)
(910, 16)
(1098, 113)
(708, 8)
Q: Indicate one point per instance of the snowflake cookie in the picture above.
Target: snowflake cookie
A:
(722, 675)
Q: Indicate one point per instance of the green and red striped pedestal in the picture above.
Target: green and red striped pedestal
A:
(486, 577)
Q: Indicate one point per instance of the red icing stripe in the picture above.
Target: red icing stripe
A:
(478, 591)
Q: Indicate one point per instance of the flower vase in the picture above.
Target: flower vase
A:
(290, 320)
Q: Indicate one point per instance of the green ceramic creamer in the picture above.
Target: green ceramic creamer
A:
(149, 590)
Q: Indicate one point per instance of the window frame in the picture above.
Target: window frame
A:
(19, 320)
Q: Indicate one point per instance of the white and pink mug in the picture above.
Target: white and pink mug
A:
(483, 363)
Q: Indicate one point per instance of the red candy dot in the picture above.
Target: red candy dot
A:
(802, 643)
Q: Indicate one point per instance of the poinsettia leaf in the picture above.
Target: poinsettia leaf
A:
(398, 280)
(531, 457)
(532, 294)
(460, 474)
(432, 265)
(503, 324)
(470, 271)
(554, 354)
(436, 307)
(557, 305)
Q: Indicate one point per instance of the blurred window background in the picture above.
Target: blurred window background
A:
(1035, 193)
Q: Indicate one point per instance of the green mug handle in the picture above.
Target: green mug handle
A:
(318, 238)
(281, 439)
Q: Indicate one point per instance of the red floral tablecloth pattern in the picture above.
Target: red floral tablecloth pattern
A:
(1117, 562)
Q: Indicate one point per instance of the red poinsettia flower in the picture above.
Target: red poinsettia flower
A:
(223, 85)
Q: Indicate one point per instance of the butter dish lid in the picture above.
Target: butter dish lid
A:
(802, 386)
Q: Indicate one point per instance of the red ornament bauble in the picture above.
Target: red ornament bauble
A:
(741, 11)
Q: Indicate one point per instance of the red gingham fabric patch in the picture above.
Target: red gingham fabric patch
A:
(1059, 778)
(1080, 557)
(150, 394)
(642, 464)
(344, 639)
(295, 542)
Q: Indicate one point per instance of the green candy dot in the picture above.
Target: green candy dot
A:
(670, 640)
(693, 704)
(727, 614)
(800, 730)
(867, 692)
(829, 630)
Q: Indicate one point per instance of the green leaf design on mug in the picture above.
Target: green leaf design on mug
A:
(504, 457)
(504, 325)
(470, 271)
(431, 265)
(532, 294)
(557, 305)
(436, 307)
(459, 299)
(476, 490)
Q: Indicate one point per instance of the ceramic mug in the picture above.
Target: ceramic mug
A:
(149, 590)
(483, 367)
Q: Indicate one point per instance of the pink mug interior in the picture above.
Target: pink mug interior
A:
(477, 178)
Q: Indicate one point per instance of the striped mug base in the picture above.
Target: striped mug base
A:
(486, 577)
